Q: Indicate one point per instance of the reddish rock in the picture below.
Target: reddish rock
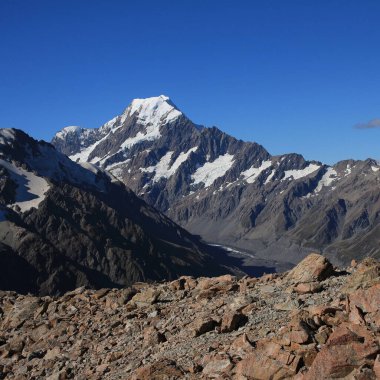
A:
(376, 367)
(373, 318)
(221, 281)
(323, 310)
(162, 370)
(299, 336)
(366, 275)
(145, 297)
(308, 287)
(345, 350)
(232, 321)
(268, 348)
(217, 366)
(356, 316)
(152, 336)
(247, 283)
(322, 335)
(367, 300)
(261, 367)
(241, 346)
(314, 267)
(202, 325)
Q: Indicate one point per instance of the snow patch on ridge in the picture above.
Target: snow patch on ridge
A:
(271, 175)
(85, 153)
(152, 133)
(348, 170)
(163, 169)
(30, 190)
(296, 174)
(210, 171)
(328, 178)
(252, 173)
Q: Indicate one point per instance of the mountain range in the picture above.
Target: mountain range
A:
(64, 225)
(232, 192)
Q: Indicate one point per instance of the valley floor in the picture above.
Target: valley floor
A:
(252, 263)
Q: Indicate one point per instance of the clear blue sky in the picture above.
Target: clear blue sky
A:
(293, 75)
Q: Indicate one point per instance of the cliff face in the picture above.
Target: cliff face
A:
(314, 322)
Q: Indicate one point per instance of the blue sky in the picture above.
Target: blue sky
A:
(295, 75)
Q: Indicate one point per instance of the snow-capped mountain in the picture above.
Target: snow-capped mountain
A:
(234, 192)
(63, 225)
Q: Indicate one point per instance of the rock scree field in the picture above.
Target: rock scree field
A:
(313, 322)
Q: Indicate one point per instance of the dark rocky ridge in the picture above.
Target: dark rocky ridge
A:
(283, 211)
(88, 229)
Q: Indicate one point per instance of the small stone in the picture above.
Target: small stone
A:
(299, 336)
(308, 287)
(101, 293)
(322, 335)
(52, 354)
(145, 297)
(152, 336)
(37, 354)
(103, 368)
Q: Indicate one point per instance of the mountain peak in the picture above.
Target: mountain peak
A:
(70, 129)
(154, 110)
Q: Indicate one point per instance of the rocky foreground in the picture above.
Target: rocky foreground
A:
(310, 323)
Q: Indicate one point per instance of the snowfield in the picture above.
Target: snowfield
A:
(296, 174)
(210, 171)
(328, 178)
(251, 174)
(30, 190)
(163, 169)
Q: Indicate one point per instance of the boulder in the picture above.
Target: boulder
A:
(202, 325)
(146, 297)
(232, 321)
(314, 267)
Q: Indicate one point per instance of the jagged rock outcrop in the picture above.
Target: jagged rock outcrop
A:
(199, 328)
(64, 225)
(233, 192)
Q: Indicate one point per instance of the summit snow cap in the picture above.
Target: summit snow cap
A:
(155, 110)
